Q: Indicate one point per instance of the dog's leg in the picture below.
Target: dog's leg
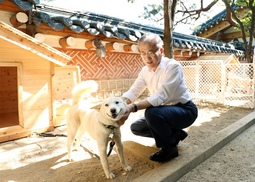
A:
(79, 136)
(102, 147)
(71, 133)
(120, 151)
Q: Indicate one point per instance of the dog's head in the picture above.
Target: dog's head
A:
(111, 110)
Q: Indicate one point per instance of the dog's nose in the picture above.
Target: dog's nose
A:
(113, 110)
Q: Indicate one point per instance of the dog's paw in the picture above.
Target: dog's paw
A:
(70, 159)
(110, 176)
(127, 168)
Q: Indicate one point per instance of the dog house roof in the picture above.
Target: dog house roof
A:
(27, 42)
(95, 24)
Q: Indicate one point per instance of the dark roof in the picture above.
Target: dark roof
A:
(213, 21)
(95, 24)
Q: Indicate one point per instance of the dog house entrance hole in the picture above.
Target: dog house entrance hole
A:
(9, 114)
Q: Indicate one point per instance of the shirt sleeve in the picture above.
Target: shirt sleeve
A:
(136, 89)
(166, 85)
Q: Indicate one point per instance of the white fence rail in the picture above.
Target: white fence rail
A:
(218, 82)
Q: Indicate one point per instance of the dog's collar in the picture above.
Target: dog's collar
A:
(109, 126)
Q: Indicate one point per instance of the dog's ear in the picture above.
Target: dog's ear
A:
(124, 98)
(97, 106)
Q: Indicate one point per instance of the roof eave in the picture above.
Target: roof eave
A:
(29, 43)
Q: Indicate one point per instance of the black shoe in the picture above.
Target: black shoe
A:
(180, 135)
(165, 154)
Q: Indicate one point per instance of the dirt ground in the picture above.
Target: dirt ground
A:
(50, 163)
(235, 162)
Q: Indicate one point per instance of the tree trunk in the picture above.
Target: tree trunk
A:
(167, 30)
(169, 11)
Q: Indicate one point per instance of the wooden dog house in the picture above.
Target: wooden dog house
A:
(27, 83)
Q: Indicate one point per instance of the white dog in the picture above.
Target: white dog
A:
(99, 124)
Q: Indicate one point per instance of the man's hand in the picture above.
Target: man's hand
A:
(126, 115)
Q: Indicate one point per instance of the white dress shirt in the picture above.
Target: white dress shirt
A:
(166, 85)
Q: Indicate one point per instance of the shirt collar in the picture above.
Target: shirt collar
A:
(162, 64)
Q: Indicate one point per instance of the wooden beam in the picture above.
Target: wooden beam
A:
(67, 42)
(112, 46)
(186, 54)
(177, 52)
(90, 44)
(9, 6)
(233, 35)
(207, 33)
(52, 110)
(19, 19)
(15, 132)
(40, 37)
(242, 12)
(130, 47)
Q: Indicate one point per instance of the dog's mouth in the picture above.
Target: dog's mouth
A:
(114, 115)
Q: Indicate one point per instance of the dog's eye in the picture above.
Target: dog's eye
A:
(117, 102)
(106, 105)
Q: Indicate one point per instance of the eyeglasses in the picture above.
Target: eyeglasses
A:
(149, 54)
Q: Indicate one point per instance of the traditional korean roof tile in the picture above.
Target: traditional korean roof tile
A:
(213, 21)
(95, 24)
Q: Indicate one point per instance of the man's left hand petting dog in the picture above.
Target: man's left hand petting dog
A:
(99, 123)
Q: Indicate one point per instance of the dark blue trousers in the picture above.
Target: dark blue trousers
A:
(161, 122)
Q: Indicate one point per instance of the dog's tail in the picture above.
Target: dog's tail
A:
(83, 89)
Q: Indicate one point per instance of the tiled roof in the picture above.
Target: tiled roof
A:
(95, 24)
(213, 21)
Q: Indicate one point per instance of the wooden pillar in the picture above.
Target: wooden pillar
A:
(19, 19)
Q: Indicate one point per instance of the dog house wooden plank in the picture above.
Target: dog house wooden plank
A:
(15, 132)
(35, 63)
(65, 79)
(7, 133)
